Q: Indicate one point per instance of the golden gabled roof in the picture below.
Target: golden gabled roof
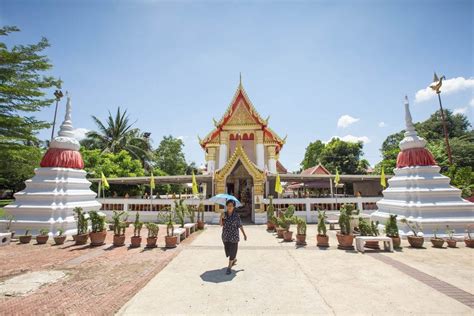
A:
(239, 154)
(231, 109)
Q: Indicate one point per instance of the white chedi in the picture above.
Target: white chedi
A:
(50, 196)
(422, 195)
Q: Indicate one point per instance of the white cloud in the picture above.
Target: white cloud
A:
(181, 137)
(460, 110)
(449, 86)
(471, 103)
(346, 120)
(352, 139)
(80, 133)
(382, 124)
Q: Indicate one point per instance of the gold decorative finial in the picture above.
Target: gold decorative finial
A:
(240, 78)
(216, 123)
(437, 83)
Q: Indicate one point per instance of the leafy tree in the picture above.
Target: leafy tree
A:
(117, 134)
(23, 86)
(16, 165)
(432, 128)
(169, 156)
(312, 155)
(121, 164)
(343, 156)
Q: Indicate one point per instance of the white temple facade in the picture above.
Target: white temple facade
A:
(419, 193)
(58, 186)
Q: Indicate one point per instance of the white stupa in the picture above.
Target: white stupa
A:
(57, 187)
(419, 192)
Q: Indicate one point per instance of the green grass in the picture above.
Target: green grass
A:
(2, 212)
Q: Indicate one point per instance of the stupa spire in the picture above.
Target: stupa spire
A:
(411, 140)
(66, 129)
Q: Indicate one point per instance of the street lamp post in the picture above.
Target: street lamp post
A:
(58, 94)
(436, 86)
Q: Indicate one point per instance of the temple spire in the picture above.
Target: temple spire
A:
(240, 78)
(66, 128)
(411, 140)
(408, 119)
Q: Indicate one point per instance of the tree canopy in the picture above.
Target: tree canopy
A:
(337, 154)
(23, 88)
(169, 156)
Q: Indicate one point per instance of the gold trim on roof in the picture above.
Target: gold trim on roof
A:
(239, 154)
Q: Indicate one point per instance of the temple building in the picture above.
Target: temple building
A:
(241, 150)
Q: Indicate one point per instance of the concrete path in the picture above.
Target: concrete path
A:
(272, 277)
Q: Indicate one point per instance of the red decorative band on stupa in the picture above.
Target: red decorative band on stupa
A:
(64, 158)
(415, 157)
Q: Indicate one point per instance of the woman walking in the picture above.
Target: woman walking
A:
(230, 222)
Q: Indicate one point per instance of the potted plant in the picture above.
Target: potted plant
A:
(300, 231)
(181, 210)
(153, 230)
(416, 240)
(270, 215)
(367, 229)
(354, 216)
(81, 237)
(119, 228)
(60, 238)
(345, 238)
(192, 213)
(391, 230)
(451, 241)
(468, 239)
(171, 239)
(10, 219)
(98, 225)
(285, 221)
(136, 239)
(436, 241)
(43, 236)
(26, 238)
(322, 239)
(200, 221)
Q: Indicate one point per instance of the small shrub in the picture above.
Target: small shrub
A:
(322, 223)
(137, 225)
(153, 230)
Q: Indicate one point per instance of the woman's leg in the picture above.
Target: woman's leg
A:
(227, 248)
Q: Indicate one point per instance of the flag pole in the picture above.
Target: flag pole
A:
(98, 191)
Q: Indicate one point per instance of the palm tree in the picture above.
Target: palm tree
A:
(117, 134)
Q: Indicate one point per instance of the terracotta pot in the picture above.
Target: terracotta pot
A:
(451, 243)
(270, 226)
(345, 241)
(280, 232)
(322, 241)
(287, 235)
(372, 244)
(200, 224)
(469, 243)
(396, 242)
(171, 241)
(416, 241)
(42, 239)
(151, 242)
(300, 239)
(25, 239)
(135, 241)
(98, 238)
(81, 239)
(119, 240)
(437, 242)
(59, 240)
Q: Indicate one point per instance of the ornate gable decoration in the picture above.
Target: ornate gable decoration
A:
(241, 112)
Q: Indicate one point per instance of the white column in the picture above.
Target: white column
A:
(222, 155)
(272, 159)
(260, 150)
(211, 160)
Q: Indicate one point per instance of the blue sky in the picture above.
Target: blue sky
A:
(175, 65)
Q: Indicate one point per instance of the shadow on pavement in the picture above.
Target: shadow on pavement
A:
(219, 276)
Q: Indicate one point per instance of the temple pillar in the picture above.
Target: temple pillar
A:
(211, 159)
(223, 148)
(272, 159)
(260, 150)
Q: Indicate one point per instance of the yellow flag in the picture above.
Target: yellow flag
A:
(105, 184)
(337, 178)
(278, 187)
(152, 181)
(383, 181)
(195, 185)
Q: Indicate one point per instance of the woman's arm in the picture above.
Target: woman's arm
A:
(221, 219)
(243, 232)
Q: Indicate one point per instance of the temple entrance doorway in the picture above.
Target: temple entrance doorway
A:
(239, 183)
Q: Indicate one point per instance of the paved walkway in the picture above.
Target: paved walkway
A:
(275, 277)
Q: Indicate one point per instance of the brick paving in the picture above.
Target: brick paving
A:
(99, 280)
(452, 291)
